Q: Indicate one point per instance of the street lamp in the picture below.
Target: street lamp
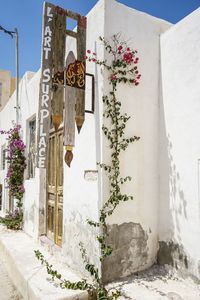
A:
(16, 35)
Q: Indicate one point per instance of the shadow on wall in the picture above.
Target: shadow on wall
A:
(178, 203)
(173, 203)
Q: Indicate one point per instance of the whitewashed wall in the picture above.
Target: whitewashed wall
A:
(179, 140)
(82, 194)
(28, 102)
(29, 109)
(140, 161)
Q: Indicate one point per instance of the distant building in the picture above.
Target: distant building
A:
(7, 87)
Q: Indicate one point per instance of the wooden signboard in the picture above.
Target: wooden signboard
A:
(45, 85)
(51, 93)
(59, 36)
(81, 50)
(69, 118)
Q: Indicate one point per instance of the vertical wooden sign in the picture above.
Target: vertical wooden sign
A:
(81, 50)
(69, 118)
(45, 86)
(59, 37)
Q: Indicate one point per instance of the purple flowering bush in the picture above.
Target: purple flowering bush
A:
(15, 175)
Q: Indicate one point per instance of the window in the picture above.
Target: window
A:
(3, 157)
(31, 148)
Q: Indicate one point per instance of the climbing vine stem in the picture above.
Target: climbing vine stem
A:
(122, 68)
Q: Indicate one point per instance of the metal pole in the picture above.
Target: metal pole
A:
(17, 75)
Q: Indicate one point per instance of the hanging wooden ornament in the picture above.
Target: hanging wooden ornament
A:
(69, 117)
(81, 50)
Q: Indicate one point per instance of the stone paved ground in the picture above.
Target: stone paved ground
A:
(158, 283)
(7, 289)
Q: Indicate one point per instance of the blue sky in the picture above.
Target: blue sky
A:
(26, 15)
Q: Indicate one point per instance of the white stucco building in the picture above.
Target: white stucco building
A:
(163, 222)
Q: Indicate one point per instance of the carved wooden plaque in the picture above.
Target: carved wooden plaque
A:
(74, 75)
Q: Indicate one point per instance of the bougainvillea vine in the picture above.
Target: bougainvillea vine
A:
(122, 69)
(16, 161)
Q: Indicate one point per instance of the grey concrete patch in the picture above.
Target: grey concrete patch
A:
(129, 243)
(172, 254)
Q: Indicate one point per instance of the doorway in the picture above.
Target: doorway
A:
(55, 187)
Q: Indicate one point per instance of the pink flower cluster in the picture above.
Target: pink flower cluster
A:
(11, 130)
(21, 189)
(124, 65)
(92, 56)
(17, 144)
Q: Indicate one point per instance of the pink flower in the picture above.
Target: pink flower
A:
(86, 57)
(89, 51)
(128, 49)
(120, 48)
(128, 57)
(94, 60)
(94, 54)
(21, 188)
(113, 77)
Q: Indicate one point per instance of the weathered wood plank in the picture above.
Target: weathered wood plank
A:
(72, 14)
(71, 33)
(81, 50)
(66, 12)
(59, 37)
(69, 118)
(45, 86)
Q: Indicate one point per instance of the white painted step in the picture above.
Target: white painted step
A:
(26, 272)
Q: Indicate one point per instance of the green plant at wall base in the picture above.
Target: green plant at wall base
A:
(122, 69)
(13, 220)
(15, 176)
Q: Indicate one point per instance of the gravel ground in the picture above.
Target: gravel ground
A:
(158, 283)
(7, 289)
